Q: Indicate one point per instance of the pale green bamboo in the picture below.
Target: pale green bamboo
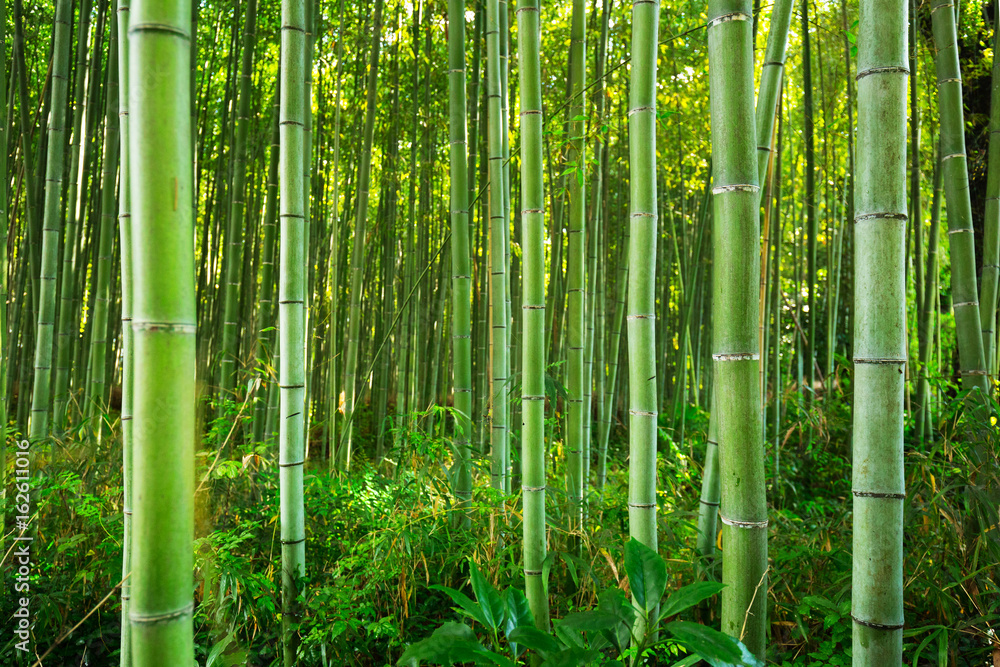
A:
(965, 292)
(51, 223)
(233, 255)
(708, 506)
(292, 276)
(128, 359)
(499, 436)
(4, 221)
(163, 328)
(65, 324)
(461, 261)
(879, 334)
(532, 309)
(357, 253)
(735, 307)
(335, 337)
(612, 376)
(772, 70)
(576, 280)
(642, 283)
(97, 392)
(991, 226)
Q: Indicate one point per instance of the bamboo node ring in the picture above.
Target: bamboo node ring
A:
(737, 356)
(881, 70)
(638, 109)
(870, 624)
(726, 18)
(532, 488)
(642, 413)
(960, 230)
(643, 506)
(961, 304)
(879, 361)
(877, 494)
(708, 502)
(160, 618)
(743, 524)
(739, 187)
(948, 157)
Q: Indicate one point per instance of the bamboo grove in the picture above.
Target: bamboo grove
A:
(580, 244)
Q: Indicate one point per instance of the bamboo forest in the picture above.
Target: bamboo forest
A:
(498, 333)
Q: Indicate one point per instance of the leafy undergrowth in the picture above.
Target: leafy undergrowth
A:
(383, 539)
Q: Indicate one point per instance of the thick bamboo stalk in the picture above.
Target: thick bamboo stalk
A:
(97, 391)
(163, 327)
(128, 358)
(991, 226)
(51, 223)
(965, 292)
(292, 277)
(532, 309)
(642, 282)
(233, 256)
(351, 361)
(461, 261)
(499, 437)
(735, 347)
(576, 271)
(879, 336)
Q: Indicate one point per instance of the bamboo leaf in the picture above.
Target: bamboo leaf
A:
(647, 574)
(489, 599)
(688, 597)
(472, 609)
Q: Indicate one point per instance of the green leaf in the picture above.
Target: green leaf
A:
(219, 647)
(535, 639)
(647, 574)
(716, 648)
(518, 610)
(688, 597)
(574, 656)
(488, 598)
(589, 621)
(473, 610)
(449, 643)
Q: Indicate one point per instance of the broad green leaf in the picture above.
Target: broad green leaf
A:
(219, 647)
(518, 610)
(534, 639)
(688, 597)
(569, 636)
(575, 656)
(688, 661)
(647, 574)
(473, 610)
(716, 648)
(589, 621)
(488, 598)
(449, 643)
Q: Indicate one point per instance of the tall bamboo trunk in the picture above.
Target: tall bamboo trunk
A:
(642, 281)
(991, 226)
(233, 256)
(499, 437)
(880, 334)
(532, 309)
(51, 222)
(461, 261)
(163, 328)
(351, 362)
(965, 292)
(735, 307)
(128, 358)
(292, 277)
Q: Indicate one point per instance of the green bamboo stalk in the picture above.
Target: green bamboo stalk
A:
(812, 225)
(461, 264)
(292, 277)
(233, 256)
(357, 253)
(4, 288)
(612, 376)
(576, 280)
(335, 334)
(772, 70)
(128, 358)
(499, 436)
(708, 505)
(77, 146)
(532, 308)
(991, 226)
(879, 336)
(97, 391)
(642, 283)
(51, 223)
(163, 328)
(735, 308)
(965, 292)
